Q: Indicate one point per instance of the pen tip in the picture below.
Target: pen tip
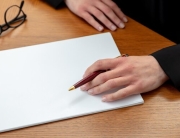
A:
(71, 88)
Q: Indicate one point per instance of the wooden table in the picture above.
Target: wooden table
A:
(157, 117)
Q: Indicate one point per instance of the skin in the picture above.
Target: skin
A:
(105, 11)
(135, 74)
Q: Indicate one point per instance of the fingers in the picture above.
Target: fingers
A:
(108, 85)
(105, 14)
(116, 9)
(122, 93)
(104, 11)
(106, 81)
(102, 18)
(86, 16)
(113, 12)
(104, 64)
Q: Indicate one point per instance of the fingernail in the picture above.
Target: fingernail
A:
(121, 25)
(90, 91)
(125, 19)
(113, 28)
(100, 28)
(104, 99)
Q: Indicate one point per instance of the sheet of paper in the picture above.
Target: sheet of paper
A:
(34, 81)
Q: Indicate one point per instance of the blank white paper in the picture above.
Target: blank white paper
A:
(34, 81)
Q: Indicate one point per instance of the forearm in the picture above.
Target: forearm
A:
(54, 3)
(169, 60)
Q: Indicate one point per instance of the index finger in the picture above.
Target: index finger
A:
(104, 64)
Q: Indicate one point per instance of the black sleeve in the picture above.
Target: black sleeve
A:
(169, 60)
(54, 3)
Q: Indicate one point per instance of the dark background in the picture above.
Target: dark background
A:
(161, 16)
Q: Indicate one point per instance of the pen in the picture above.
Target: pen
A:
(86, 79)
(90, 77)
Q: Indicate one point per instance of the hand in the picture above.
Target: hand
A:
(135, 74)
(106, 11)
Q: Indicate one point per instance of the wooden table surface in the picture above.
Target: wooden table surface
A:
(157, 117)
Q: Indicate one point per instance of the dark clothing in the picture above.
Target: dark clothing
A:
(161, 16)
(169, 60)
(54, 3)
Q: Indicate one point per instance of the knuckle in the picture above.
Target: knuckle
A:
(98, 14)
(113, 5)
(80, 9)
(99, 63)
(87, 18)
(123, 94)
(112, 97)
(97, 90)
(107, 10)
(140, 86)
(111, 62)
(107, 22)
(111, 84)
(103, 77)
(120, 61)
(129, 68)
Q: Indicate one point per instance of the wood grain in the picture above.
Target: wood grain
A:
(158, 117)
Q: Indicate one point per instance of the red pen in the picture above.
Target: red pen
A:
(90, 77)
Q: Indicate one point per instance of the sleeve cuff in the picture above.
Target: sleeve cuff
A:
(169, 60)
(54, 3)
